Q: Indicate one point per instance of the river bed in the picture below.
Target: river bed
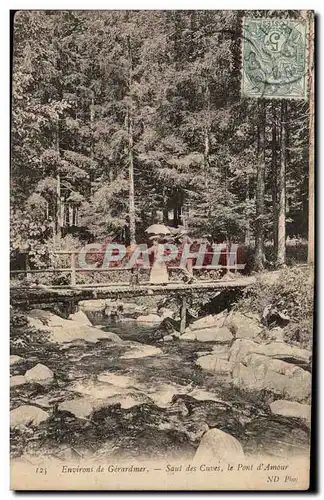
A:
(166, 424)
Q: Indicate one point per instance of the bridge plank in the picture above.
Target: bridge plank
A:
(48, 294)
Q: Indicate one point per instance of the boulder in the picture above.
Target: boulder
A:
(80, 408)
(214, 364)
(100, 395)
(39, 374)
(63, 330)
(96, 390)
(221, 351)
(217, 445)
(213, 320)
(188, 336)
(243, 326)
(291, 409)
(115, 379)
(93, 305)
(14, 360)
(81, 318)
(263, 373)
(221, 334)
(167, 338)
(163, 394)
(26, 414)
(278, 350)
(202, 395)
(240, 348)
(203, 353)
(142, 351)
(17, 380)
(152, 319)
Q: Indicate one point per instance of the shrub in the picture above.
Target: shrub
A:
(292, 295)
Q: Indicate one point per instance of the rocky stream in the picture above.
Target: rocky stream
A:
(98, 386)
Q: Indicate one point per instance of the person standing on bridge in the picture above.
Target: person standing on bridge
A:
(159, 272)
(186, 268)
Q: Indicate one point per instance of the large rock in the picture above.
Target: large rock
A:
(213, 320)
(17, 380)
(25, 415)
(63, 330)
(188, 336)
(81, 318)
(221, 334)
(278, 350)
(217, 445)
(163, 394)
(39, 374)
(116, 379)
(96, 390)
(100, 395)
(150, 319)
(202, 395)
(80, 408)
(240, 349)
(243, 326)
(141, 351)
(291, 409)
(93, 305)
(214, 364)
(221, 351)
(263, 373)
(14, 359)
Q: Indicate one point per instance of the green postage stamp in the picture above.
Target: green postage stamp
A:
(274, 58)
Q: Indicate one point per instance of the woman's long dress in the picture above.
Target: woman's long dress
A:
(159, 272)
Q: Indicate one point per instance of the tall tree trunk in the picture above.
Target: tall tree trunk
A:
(281, 254)
(274, 175)
(247, 238)
(207, 148)
(132, 224)
(175, 216)
(91, 144)
(165, 212)
(206, 170)
(260, 191)
(311, 143)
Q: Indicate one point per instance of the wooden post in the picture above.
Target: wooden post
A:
(183, 314)
(73, 274)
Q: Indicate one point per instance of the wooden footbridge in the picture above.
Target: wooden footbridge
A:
(69, 296)
(38, 294)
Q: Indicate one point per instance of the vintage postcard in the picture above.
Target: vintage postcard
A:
(162, 249)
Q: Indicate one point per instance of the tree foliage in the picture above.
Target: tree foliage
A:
(77, 75)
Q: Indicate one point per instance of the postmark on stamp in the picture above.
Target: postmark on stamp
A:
(274, 63)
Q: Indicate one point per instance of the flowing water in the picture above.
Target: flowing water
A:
(179, 402)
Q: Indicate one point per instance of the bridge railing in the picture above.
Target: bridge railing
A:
(74, 270)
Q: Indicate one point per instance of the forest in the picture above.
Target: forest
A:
(121, 119)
